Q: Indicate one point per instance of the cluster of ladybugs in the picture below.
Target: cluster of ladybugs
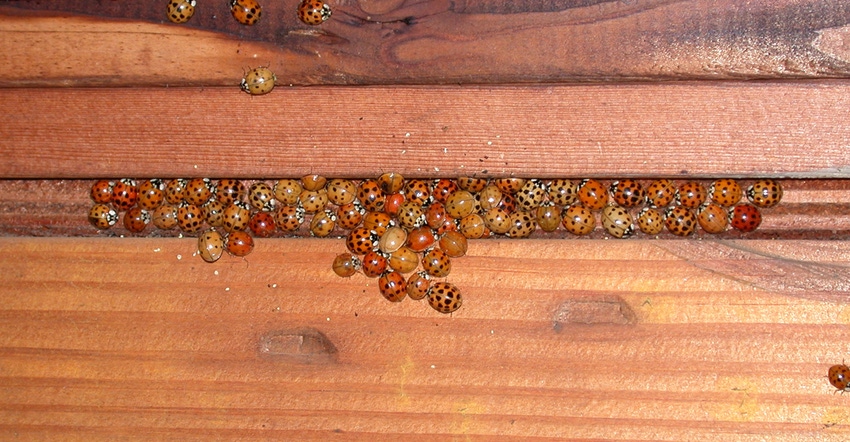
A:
(393, 226)
(260, 80)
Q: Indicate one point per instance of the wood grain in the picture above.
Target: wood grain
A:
(137, 338)
(613, 131)
(130, 43)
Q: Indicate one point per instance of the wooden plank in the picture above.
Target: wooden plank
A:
(85, 43)
(681, 129)
(121, 337)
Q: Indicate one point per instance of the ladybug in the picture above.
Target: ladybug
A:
(473, 226)
(313, 201)
(713, 218)
(410, 215)
(418, 285)
(472, 184)
(228, 191)
(680, 221)
(745, 217)
(198, 191)
(691, 194)
(404, 260)
(371, 196)
(349, 216)
(323, 223)
(101, 192)
(508, 203)
(180, 11)
(378, 222)
(490, 197)
(165, 217)
(313, 12)
(214, 213)
(839, 377)
(443, 188)
(151, 194)
(261, 196)
(444, 297)
(436, 216)
(102, 216)
(437, 263)
(509, 186)
(454, 244)
(313, 182)
(765, 193)
(592, 195)
(548, 216)
(627, 193)
(373, 264)
(361, 241)
(247, 12)
(726, 192)
(346, 265)
(393, 202)
(262, 224)
(288, 191)
(421, 239)
(660, 193)
(341, 192)
(289, 218)
(460, 204)
(210, 245)
(562, 192)
(235, 217)
(190, 218)
(530, 195)
(417, 191)
(650, 221)
(239, 243)
(522, 223)
(392, 286)
(125, 195)
(578, 220)
(258, 81)
(617, 221)
(391, 182)
(136, 220)
(174, 191)
(497, 220)
(393, 239)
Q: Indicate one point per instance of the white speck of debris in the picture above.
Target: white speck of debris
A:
(195, 166)
(215, 272)
(445, 150)
(156, 249)
(194, 253)
(433, 366)
(274, 286)
(407, 134)
(180, 235)
(329, 319)
(492, 332)
(227, 289)
(498, 136)
(436, 169)
(120, 236)
(179, 257)
(489, 143)
(403, 152)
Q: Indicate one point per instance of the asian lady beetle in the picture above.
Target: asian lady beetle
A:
(349, 216)
(627, 193)
(680, 221)
(523, 224)
(198, 191)
(489, 197)
(454, 244)
(691, 194)
(562, 192)
(713, 218)
(288, 191)
(210, 245)
(174, 191)
(417, 191)
(471, 184)
(371, 196)
(165, 217)
(239, 243)
(592, 195)
(101, 192)
(313, 201)
(313, 12)
(650, 221)
(258, 81)
(508, 203)
(436, 216)
(460, 204)
(262, 224)
(180, 11)
(102, 216)
(548, 216)
(509, 186)
(361, 241)
(444, 297)
(410, 215)
(125, 195)
(378, 222)
(190, 218)
(404, 260)
(393, 286)
(373, 264)
(745, 217)
(393, 202)
(437, 263)
(213, 213)
(393, 239)
(726, 192)
(443, 188)
(418, 285)
(289, 218)
(136, 220)
(420, 239)
(765, 193)
(236, 217)
(314, 182)
(617, 222)
(341, 192)
(151, 194)
(497, 220)
(473, 226)
(530, 195)
(839, 377)
(247, 12)
(346, 265)
(229, 190)
(391, 182)
(261, 196)
(323, 223)
(660, 193)
(578, 220)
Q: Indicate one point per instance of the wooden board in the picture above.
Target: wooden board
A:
(676, 340)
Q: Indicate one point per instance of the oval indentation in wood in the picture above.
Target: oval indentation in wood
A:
(591, 310)
(303, 345)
